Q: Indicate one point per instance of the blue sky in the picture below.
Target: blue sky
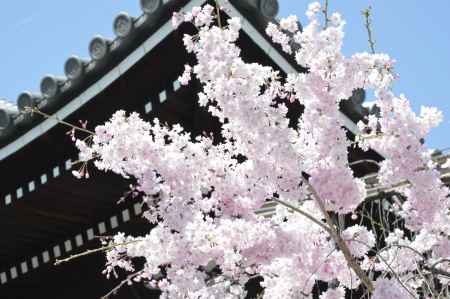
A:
(38, 36)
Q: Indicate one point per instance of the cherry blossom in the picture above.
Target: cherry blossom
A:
(338, 293)
(358, 239)
(202, 194)
(388, 288)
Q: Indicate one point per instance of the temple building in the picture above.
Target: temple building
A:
(48, 214)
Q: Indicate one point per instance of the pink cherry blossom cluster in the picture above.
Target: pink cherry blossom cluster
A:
(208, 241)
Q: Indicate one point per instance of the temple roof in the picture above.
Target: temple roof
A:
(49, 213)
(111, 57)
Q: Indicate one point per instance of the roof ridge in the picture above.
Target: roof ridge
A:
(80, 73)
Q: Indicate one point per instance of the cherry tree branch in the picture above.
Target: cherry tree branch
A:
(368, 23)
(339, 241)
(325, 14)
(219, 21)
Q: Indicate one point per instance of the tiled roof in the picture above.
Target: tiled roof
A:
(104, 54)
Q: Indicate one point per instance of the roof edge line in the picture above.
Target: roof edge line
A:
(96, 87)
(133, 58)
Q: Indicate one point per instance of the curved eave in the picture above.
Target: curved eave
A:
(96, 88)
(89, 93)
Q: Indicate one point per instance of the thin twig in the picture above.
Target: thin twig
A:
(431, 289)
(368, 23)
(396, 276)
(325, 14)
(92, 251)
(37, 111)
(433, 268)
(128, 279)
(307, 215)
(401, 246)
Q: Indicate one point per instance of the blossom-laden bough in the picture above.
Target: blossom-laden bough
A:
(202, 195)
